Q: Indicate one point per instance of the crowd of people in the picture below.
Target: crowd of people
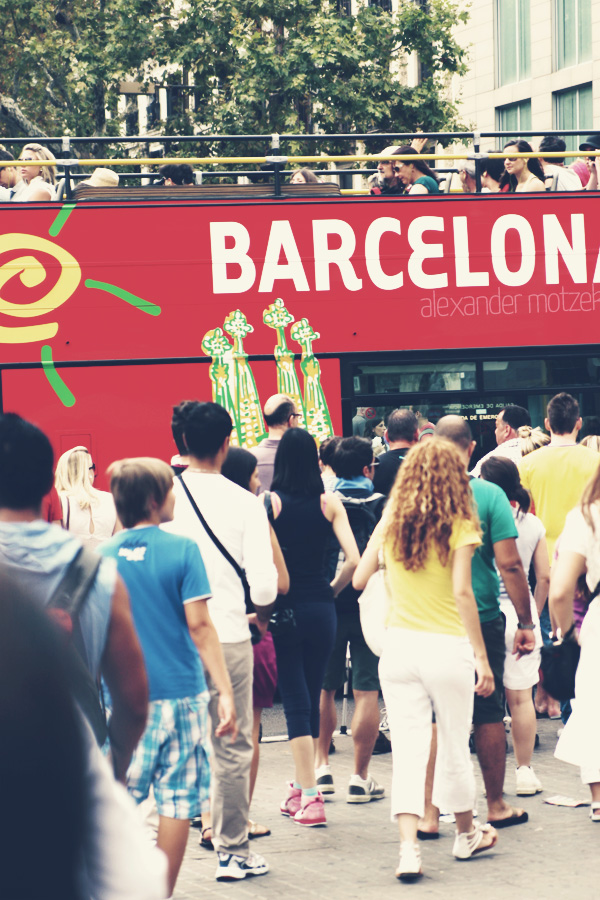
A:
(409, 176)
(162, 616)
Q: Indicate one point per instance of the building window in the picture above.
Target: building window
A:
(573, 109)
(573, 32)
(513, 42)
(514, 118)
(385, 5)
(345, 7)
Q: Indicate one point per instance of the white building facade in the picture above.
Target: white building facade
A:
(533, 64)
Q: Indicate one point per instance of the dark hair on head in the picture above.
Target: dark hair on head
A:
(26, 463)
(205, 429)
(418, 163)
(493, 167)
(533, 164)
(5, 154)
(503, 472)
(179, 173)
(308, 175)
(178, 420)
(238, 466)
(516, 416)
(351, 455)
(591, 425)
(296, 469)
(280, 414)
(563, 412)
(402, 425)
(327, 449)
(42, 755)
(553, 144)
(455, 429)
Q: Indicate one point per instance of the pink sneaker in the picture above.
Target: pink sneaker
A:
(292, 802)
(311, 812)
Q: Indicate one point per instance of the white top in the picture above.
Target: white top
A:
(239, 520)
(567, 179)
(579, 537)
(93, 525)
(23, 195)
(508, 449)
(531, 531)
(119, 863)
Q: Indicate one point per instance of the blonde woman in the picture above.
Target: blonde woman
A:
(38, 181)
(87, 512)
(433, 645)
(532, 439)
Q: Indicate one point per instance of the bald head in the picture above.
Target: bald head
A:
(280, 411)
(455, 429)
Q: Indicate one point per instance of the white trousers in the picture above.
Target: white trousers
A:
(421, 672)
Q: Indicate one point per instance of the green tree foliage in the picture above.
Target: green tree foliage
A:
(257, 66)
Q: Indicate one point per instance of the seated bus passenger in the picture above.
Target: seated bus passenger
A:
(304, 176)
(492, 171)
(38, 181)
(467, 174)
(416, 176)
(522, 175)
(176, 174)
(567, 180)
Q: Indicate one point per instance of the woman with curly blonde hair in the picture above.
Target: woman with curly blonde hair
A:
(434, 655)
(87, 512)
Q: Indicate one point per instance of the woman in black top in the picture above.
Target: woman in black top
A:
(304, 517)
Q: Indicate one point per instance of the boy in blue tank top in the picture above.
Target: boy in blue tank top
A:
(168, 587)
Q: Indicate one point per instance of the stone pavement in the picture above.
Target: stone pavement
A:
(555, 855)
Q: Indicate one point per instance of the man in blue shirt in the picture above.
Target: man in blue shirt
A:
(166, 579)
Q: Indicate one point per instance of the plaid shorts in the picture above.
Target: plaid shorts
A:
(173, 757)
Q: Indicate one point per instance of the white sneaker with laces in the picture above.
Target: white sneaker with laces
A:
(360, 791)
(325, 780)
(234, 868)
(527, 782)
(409, 867)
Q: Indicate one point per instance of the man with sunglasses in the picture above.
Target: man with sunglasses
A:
(386, 182)
(280, 413)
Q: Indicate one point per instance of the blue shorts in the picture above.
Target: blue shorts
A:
(173, 757)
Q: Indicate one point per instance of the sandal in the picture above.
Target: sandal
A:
(206, 842)
(468, 844)
(257, 831)
(595, 811)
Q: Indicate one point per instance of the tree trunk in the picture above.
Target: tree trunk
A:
(15, 121)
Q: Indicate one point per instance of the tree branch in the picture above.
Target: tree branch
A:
(16, 121)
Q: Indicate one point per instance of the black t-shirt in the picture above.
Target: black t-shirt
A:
(386, 471)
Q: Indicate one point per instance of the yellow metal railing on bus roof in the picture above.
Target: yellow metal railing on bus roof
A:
(283, 160)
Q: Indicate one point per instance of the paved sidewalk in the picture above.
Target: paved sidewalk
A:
(555, 855)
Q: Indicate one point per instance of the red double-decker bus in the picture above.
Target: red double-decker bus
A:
(114, 310)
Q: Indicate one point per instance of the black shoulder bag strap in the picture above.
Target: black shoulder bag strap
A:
(69, 596)
(221, 548)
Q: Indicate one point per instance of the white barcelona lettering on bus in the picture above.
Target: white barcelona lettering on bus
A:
(573, 253)
(375, 232)
(423, 251)
(525, 271)
(281, 238)
(223, 256)
(464, 276)
(326, 256)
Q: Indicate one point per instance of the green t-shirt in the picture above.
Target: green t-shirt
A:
(497, 524)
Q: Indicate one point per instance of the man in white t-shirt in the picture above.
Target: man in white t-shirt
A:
(567, 179)
(239, 521)
(508, 422)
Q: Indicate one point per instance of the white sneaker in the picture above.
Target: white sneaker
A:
(234, 868)
(409, 867)
(468, 844)
(362, 791)
(527, 782)
(325, 780)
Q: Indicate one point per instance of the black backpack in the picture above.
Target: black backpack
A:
(363, 515)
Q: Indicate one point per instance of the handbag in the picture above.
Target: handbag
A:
(373, 603)
(255, 634)
(559, 666)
